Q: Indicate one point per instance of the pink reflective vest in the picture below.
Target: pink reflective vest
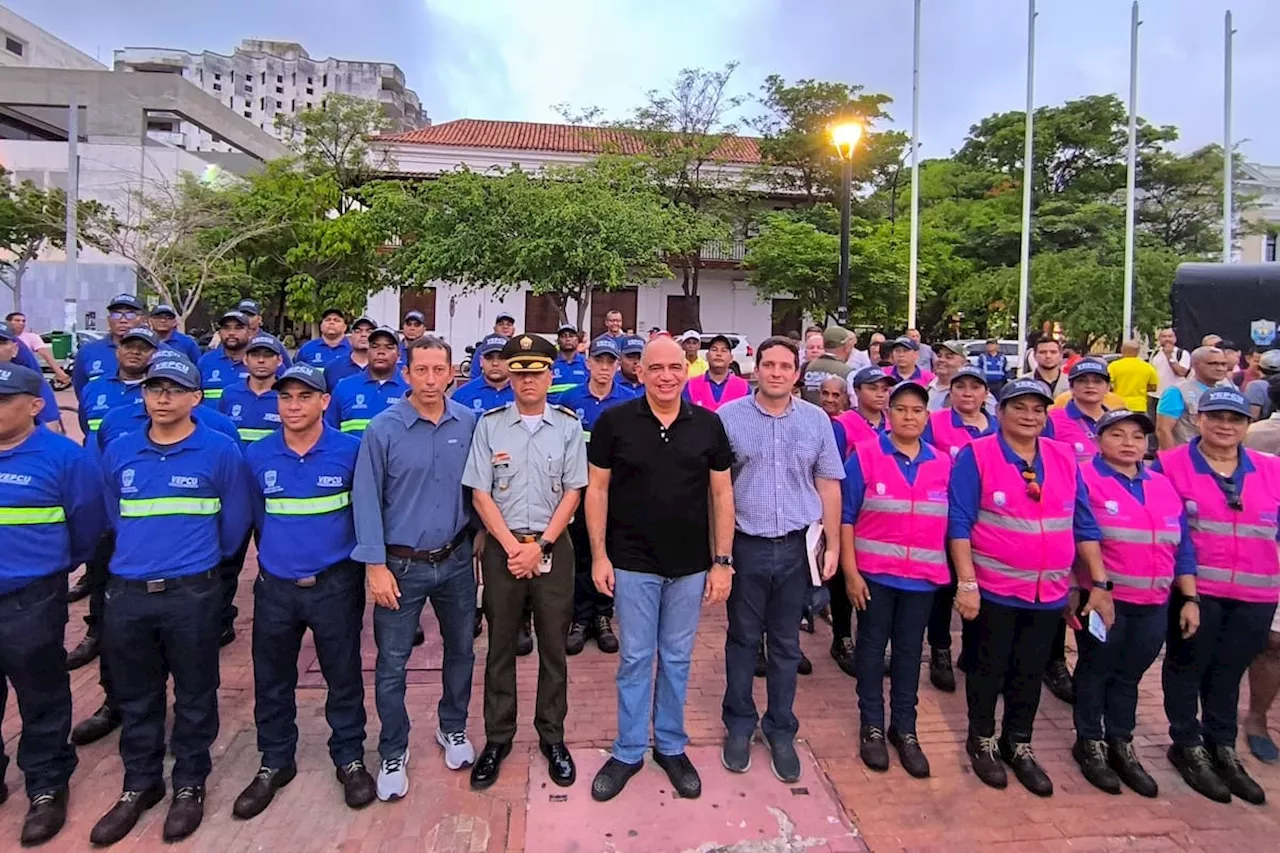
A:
(948, 437)
(700, 393)
(1074, 433)
(857, 429)
(1235, 549)
(1139, 540)
(1024, 548)
(902, 527)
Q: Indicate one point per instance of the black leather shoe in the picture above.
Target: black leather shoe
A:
(123, 816)
(606, 640)
(45, 817)
(576, 640)
(78, 590)
(524, 640)
(227, 637)
(358, 787)
(910, 754)
(185, 813)
(683, 775)
(84, 653)
(984, 757)
(762, 662)
(1130, 770)
(254, 799)
(1095, 764)
(1197, 770)
(872, 748)
(842, 654)
(419, 636)
(805, 667)
(1058, 679)
(95, 727)
(559, 763)
(1022, 760)
(485, 771)
(941, 675)
(1231, 771)
(612, 778)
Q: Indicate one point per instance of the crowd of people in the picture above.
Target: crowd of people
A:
(637, 481)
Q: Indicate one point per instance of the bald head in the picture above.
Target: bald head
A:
(664, 372)
(1130, 347)
(661, 349)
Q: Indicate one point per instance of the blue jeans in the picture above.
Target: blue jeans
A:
(770, 588)
(899, 617)
(282, 612)
(657, 616)
(1107, 674)
(451, 586)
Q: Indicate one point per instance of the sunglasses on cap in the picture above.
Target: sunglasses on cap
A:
(1231, 492)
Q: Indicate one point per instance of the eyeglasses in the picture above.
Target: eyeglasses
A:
(1033, 487)
(164, 391)
(123, 315)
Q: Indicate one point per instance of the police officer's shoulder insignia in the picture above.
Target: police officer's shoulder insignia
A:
(495, 410)
(573, 414)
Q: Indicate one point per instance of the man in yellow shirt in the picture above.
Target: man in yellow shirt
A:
(1132, 378)
(691, 343)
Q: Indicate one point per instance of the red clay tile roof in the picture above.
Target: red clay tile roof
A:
(560, 138)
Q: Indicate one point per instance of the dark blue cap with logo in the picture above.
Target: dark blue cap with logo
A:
(914, 387)
(1223, 399)
(141, 333)
(364, 321)
(632, 345)
(234, 314)
(504, 315)
(6, 332)
(163, 310)
(266, 341)
(248, 306)
(1026, 388)
(970, 372)
(309, 375)
(415, 315)
(903, 341)
(492, 343)
(604, 345)
(176, 368)
(384, 332)
(125, 300)
(16, 379)
(1088, 367)
(868, 375)
(566, 327)
(1116, 416)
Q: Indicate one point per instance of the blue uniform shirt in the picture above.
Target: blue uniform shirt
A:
(255, 416)
(479, 396)
(94, 359)
(636, 388)
(129, 419)
(303, 499)
(588, 406)
(185, 344)
(217, 372)
(566, 374)
(178, 510)
(339, 370)
(317, 353)
(360, 398)
(964, 496)
(49, 414)
(102, 395)
(51, 510)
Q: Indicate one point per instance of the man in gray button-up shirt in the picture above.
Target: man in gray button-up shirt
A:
(527, 467)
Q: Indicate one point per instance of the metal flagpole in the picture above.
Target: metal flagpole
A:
(1228, 171)
(1024, 275)
(913, 279)
(72, 291)
(1130, 188)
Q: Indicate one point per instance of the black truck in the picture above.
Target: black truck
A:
(1240, 302)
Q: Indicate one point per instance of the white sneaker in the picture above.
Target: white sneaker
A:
(393, 778)
(458, 751)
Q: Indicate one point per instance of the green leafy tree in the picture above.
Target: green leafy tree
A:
(334, 139)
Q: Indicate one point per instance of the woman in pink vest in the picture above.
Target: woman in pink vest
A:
(718, 385)
(1232, 496)
(1146, 550)
(893, 555)
(1019, 518)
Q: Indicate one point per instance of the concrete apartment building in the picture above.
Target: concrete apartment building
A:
(264, 79)
(1263, 182)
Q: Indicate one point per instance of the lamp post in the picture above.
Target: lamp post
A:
(845, 137)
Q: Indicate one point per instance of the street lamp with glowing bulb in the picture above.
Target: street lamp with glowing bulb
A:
(845, 137)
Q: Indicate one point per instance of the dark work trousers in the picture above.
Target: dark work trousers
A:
(505, 600)
(1011, 651)
(96, 574)
(1202, 673)
(33, 621)
(841, 608)
(1107, 674)
(770, 588)
(1058, 651)
(229, 580)
(144, 632)
(333, 608)
(897, 617)
(940, 622)
(588, 602)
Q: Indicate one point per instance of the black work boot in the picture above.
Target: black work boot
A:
(1196, 767)
(1231, 771)
(1095, 763)
(1130, 770)
(941, 674)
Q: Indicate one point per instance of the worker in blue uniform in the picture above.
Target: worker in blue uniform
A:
(357, 399)
(179, 500)
(632, 348)
(225, 365)
(13, 350)
(412, 327)
(164, 322)
(51, 518)
(504, 326)
(253, 313)
(357, 359)
(302, 488)
(251, 402)
(492, 388)
(124, 386)
(569, 367)
(98, 357)
(332, 345)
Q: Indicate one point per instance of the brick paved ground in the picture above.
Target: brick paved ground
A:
(950, 812)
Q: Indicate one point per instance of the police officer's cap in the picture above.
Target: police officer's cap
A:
(970, 372)
(528, 354)
(492, 343)
(384, 332)
(1118, 416)
(910, 386)
(175, 367)
(1221, 399)
(1026, 388)
(234, 314)
(125, 300)
(248, 307)
(16, 379)
(364, 321)
(632, 345)
(312, 377)
(1088, 367)
(605, 345)
(267, 342)
(163, 310)
(141, 333)
(870, 376)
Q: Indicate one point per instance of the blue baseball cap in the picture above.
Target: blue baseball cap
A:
(604, 345)
(868, 375)
(125, 300)
(248, 306)
(504, 315)
(16, 379)
(1026, 388)
(1223, 399)
(163, 309)
(416, 316)
(1088, 367)
(971, 372)
(384, 332)
(175, 367)
(366, 321)
(566, 327)
(912, 386)
(492, 343)
(1116, 416)
(234, 314)
(312, 377)
(6, 332)
(632, 345)
(903, 341)
(141, 333)
(265, 341)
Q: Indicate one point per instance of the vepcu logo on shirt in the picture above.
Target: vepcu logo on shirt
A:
(937, 495)
(330, 482)
(269, 482)
(476, 405)
(235, 410)
(96, 367)
(955, 451)
(215, 376)
(359, 403)
(581, 413)
(1112, 507)
(317, 359)
(1079, 447)
(999, 499)
(880, 488)
(15, 479)
(126, 481)
(101, 402)
(271, 417)
(178, 482)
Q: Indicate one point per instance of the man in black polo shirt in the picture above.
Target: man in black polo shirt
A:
(653, 462)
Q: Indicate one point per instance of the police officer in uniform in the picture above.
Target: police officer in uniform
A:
(358, 399)
(302, 477)
(492, 387)
(178, 498)
(51, 519)
(251, 402)
(225, 365)
(527, 469)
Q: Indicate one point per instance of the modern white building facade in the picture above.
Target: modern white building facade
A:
(1262, 182)
(24, 45)
(263, 79)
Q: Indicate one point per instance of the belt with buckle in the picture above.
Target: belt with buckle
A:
(439, 554)
(526, 538)
(166, 584)
(778, 540)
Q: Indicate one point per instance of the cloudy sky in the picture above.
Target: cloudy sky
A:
(514, 59)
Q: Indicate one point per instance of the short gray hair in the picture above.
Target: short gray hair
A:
(1199, 354)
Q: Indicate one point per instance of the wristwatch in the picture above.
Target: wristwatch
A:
(1192, 599)
(1105, 586)
(545, 546)
(722, 560)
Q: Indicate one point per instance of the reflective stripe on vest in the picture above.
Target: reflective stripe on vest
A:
(1032, 575)
(1025, 525)
(356, 425)
(147, 507)
(94, 424)
(1140, 537)
(884, 549)
(247, 434)
(890, 505)
(1226, 528)
(1238, 576)
(560, 389)
(32, 515)
(212, 393)
(308, 506)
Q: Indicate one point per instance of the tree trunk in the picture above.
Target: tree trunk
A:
(584, 294)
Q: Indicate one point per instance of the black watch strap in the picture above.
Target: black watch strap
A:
(1106, 585)
(1194, 599)
(546, 545)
